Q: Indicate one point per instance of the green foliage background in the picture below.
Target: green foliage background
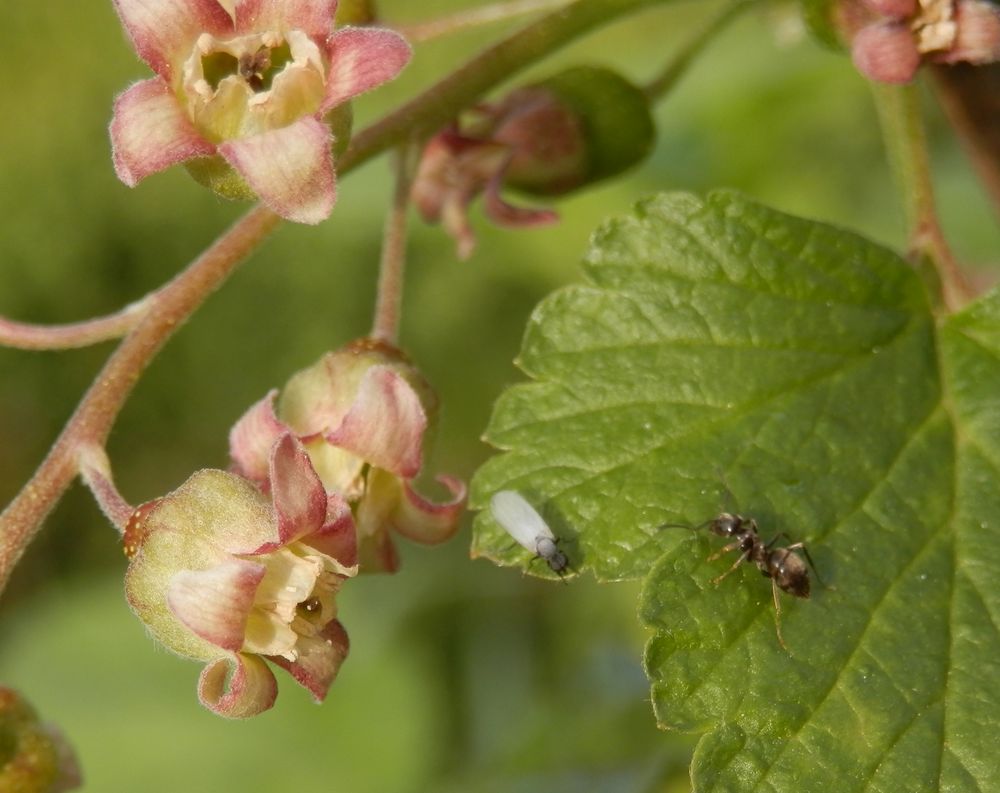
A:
(462, 676)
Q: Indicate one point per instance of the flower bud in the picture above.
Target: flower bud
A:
(361, 413)
(34, 758)
(572, 129)
(223, 574)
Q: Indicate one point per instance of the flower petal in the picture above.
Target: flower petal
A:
(299, 498)
(315, 17)
(253, 437)
(237, 687)
(361, 59)
(291, 169)
(385, 424)
(338, 537)
(164, 31)
(426, 521)
(150, 132)
(508, 215)
(216, 602)
(319, 659)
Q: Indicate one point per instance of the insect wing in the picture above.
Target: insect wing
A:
(519, 519)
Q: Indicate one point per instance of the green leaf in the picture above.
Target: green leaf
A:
(726, 356)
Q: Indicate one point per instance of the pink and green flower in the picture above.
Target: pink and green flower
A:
(224, 574)
(362, 414)
(250, 94)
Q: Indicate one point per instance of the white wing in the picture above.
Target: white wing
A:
(519, 519)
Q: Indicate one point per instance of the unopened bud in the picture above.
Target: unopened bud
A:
(579, 126)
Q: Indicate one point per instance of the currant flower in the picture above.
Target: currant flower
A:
(362, 413)
(249, 94)
(221, 573)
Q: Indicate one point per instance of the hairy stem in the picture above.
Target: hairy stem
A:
(93, 418)
(389, 296)
(95, 470)
(906, 143)
(473, 17)
(662, 84)
(28, 336)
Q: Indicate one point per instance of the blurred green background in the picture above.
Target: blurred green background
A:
(462, 676)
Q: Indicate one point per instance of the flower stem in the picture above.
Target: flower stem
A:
(95, 470)
(473, 17)
(28, 336)
(389, 296)
(94, 416)
(903, 131)
(660, 85)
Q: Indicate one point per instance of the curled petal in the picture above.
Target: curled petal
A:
(338, 537)
(425, 521)
(390, 503)
(299, 498)
(215, 603)
(361, 59)
(237, 687)
(162, 30)
(385, 424)
(253, 437)
(291, 169)
(504, 214)
(150, 132)
(319, 659)
(315, 17)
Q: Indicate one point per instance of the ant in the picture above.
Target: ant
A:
(782, 565)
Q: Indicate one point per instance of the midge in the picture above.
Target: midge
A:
(782, 565)
(522, 522)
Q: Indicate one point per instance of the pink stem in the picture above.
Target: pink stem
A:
(94, 416)
(28, 336)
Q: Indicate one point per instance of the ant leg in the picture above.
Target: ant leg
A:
(742, 558)
(777, 537)
(777, 616)
(726, 549)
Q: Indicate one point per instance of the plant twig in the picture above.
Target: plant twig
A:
(474, 17)
(29, 336)
(389, 295)
(95, 470)
(660, 85)
(906, 143)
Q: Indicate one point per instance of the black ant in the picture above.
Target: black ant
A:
(782, 565)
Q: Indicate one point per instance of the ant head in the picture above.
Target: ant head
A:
(727, 524)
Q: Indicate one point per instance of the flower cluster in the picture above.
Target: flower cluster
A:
(237, 567)
(893, 37)
(250, 94)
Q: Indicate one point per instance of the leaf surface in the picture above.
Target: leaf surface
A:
(724, 356)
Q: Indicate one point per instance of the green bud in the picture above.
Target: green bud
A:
(602, 125)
